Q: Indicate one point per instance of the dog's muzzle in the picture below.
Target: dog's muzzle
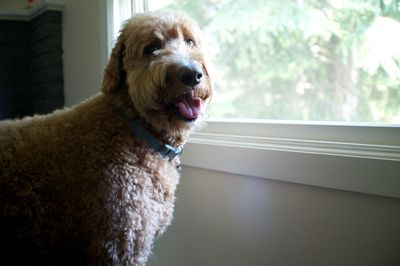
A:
(188, 105)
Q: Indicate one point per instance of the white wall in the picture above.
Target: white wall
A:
(84, 40)
(229, 220)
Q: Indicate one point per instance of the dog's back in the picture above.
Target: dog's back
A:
(33, 174)
(45, 177)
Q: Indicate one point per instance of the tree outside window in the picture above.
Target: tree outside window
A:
(320, 60)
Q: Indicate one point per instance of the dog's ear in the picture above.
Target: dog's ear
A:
(114, 73)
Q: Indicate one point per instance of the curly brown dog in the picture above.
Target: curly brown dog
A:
(94, 184)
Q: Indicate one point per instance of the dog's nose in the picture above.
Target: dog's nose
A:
(190, 76)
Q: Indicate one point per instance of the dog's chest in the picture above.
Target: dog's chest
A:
(160, 181)
(149, 196)
(150, 185)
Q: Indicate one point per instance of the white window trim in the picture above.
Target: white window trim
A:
(361, 158)
(108, 15)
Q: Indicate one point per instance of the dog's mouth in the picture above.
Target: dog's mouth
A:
(188, 106)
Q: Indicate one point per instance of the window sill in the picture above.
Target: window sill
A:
(358, 158)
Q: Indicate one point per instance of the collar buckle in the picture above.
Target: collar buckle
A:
(169, 152)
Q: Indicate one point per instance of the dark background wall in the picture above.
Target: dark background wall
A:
(31, 70)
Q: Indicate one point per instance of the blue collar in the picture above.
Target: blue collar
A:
(164, 149)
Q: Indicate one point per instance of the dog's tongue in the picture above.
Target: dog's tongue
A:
(188, 106)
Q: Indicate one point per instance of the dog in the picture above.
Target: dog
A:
(94, 184)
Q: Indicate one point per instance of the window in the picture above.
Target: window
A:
(123, 9)
(312, 71)
(331, 60)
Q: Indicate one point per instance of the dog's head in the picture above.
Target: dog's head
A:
(158, 57)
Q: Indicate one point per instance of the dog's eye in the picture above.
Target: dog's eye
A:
(152, 48)
(190, 43)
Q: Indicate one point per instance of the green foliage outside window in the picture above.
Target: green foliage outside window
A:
(322, 60)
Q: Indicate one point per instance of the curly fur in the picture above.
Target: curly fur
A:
(76, 186)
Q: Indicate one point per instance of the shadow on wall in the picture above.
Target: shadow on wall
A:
(31, 71)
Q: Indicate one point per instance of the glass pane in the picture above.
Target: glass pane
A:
(320, 60)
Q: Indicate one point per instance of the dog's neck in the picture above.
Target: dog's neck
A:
(167, 151)
(121, 101)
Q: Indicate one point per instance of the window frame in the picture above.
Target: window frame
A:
(362, 158)
(357, 157)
